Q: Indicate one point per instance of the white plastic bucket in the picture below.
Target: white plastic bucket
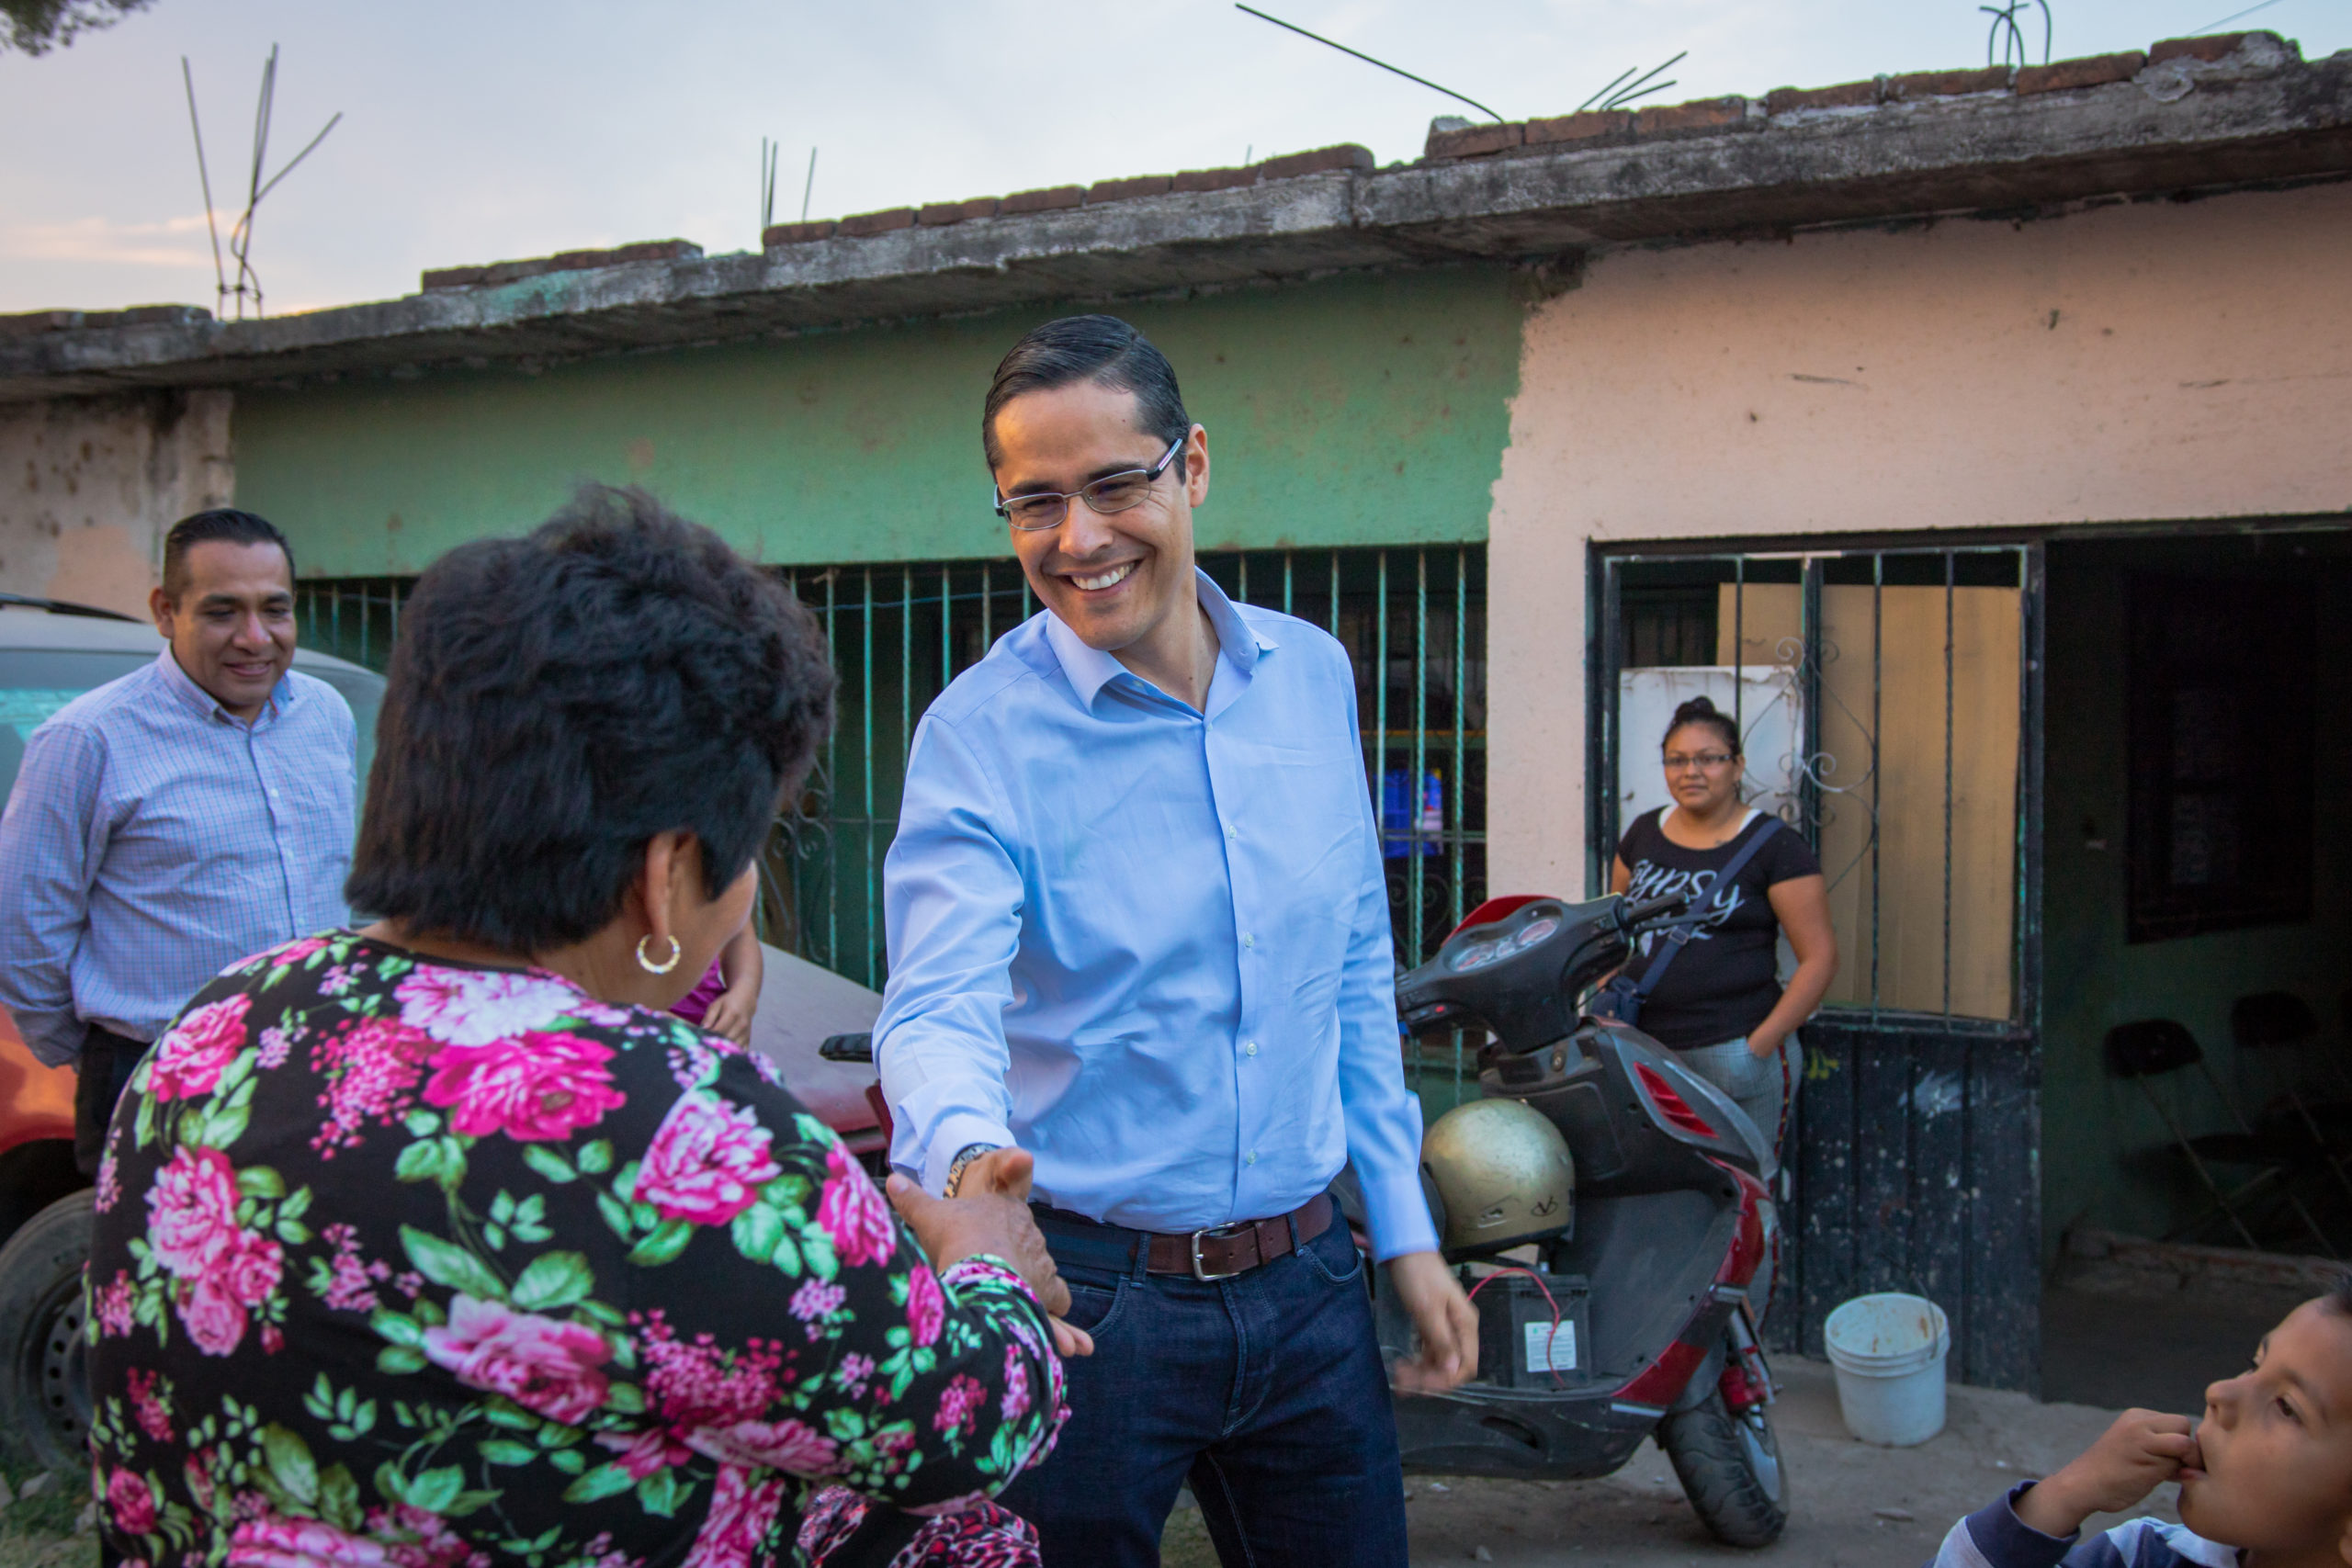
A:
(1889, 1352)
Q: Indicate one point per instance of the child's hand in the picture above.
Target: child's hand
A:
(730, 1015)
(2142, 1449)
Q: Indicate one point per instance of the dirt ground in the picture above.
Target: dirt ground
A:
(1852, 1505)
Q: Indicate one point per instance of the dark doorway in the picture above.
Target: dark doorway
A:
(2198, 794)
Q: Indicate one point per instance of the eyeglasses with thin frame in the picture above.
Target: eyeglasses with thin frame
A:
(1122, 491)
(1710, 760)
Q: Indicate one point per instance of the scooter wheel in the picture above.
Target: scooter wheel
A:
(1730, 1468)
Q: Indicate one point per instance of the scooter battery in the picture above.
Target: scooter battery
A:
(1520, 1344)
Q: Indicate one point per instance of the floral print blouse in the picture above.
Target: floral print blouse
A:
(404, 1262)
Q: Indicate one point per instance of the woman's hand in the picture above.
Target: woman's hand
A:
(1761, 1042)
(990, 1214)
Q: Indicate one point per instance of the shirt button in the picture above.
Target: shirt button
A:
(1249, 1047)
(1249, 1158)
(1230, 833)
(1249, 941)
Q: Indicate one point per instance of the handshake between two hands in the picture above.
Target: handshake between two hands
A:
(989, 1214)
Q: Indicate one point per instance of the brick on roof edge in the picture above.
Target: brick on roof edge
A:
(1706, 116)
(25, 323)
(562, 261)
(1053, 198)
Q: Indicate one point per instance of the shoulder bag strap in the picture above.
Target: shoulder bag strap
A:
(1684, 927)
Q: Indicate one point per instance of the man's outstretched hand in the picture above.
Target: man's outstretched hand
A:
(990, 1213)
(1444, 1319)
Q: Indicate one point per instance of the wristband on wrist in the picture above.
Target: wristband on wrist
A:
(957, 1166)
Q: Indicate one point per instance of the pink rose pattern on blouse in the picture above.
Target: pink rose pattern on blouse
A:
(417, 1266)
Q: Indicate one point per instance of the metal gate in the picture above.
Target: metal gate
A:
(1413, 621)
(1889, 698)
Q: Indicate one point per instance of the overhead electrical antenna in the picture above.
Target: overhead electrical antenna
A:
(1368, 60)
(2005, 37)
(769, 151)
(809, 186)
(241, 236)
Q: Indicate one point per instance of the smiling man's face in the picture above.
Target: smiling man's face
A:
(232, 625)
(1114, 581)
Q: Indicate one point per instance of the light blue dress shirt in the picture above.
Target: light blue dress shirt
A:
(1150, 945)
(153, 839)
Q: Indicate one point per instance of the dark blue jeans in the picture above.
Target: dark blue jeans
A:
(1266, 1390)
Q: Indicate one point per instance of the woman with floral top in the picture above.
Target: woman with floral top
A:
(441, 1243)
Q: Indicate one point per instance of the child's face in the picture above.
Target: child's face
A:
(2274, 1474)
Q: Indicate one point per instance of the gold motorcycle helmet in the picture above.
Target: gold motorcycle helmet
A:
(1503, 1176)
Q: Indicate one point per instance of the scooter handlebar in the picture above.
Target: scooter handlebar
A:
(1634, 916)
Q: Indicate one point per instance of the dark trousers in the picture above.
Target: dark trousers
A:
(1266, 1391)
(104, 1072)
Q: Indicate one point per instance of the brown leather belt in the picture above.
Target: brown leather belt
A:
(1220, 1252)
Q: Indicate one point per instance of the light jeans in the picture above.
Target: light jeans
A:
(1766, 1089)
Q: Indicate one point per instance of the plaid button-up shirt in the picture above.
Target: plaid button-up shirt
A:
(153, 839)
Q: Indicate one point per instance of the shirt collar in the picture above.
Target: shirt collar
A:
(204, 704)
(1091, 668)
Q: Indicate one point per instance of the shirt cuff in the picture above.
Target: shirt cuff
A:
(2000, 1536)
(1398, 1216)
(951, 1137)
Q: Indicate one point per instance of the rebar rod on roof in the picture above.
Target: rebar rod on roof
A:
(1368, 60)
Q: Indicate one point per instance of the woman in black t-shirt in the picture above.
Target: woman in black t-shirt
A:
(1720, 1005)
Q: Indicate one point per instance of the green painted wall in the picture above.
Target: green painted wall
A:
(2107, 1161)
(1350, 411)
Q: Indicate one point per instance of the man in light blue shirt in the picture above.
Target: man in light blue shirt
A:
(175, 820)
(1138, 927)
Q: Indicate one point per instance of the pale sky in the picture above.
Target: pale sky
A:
(502, 129)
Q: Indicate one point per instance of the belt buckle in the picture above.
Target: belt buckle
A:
(1220, 1231)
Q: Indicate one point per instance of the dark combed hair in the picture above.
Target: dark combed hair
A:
(556, 701)
(203, 527)
(2339, 1294)
(1703, 710)
(1102, 349)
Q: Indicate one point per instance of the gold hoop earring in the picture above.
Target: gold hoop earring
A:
(663, 967)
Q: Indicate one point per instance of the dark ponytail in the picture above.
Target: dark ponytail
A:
(1702, 711)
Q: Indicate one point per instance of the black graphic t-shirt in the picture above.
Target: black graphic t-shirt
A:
(1727, 980)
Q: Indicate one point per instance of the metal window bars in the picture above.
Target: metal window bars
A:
(1883, 695)
(1412, 619)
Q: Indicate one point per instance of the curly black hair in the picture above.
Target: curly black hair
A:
(556, 700)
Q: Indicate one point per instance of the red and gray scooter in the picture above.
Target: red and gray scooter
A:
(1633, 1319)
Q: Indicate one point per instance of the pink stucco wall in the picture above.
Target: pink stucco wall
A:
(2125, 364)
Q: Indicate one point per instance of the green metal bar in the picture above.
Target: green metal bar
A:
(988, 606)
(1286, 555)
(1380, 712)
(1415, 794)
(832, 808)
(906, 665)
(1335, 593)
(1243, 595)
(866, 708)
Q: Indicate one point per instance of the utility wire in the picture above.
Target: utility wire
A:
(811, 187)
(2235, 16)
(1368, 60)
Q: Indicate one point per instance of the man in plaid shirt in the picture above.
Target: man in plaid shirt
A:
(173, 821)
